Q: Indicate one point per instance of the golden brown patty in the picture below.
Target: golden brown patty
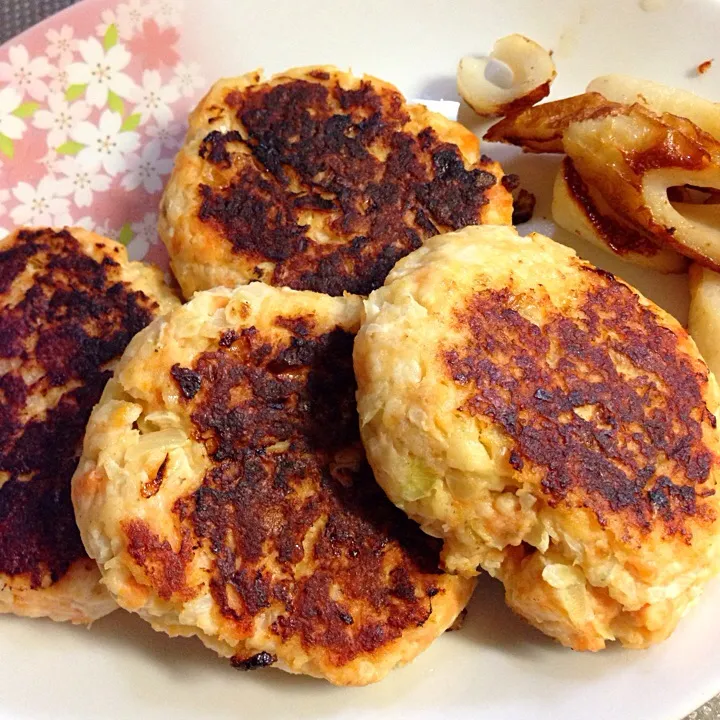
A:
(69, 304)
(318, 180)
(555, 427)
(225, 493)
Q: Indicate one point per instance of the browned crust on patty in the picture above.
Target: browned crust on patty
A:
(164, 567)
(289, 509)
(647, 398)
(313, 159)
(61, 331)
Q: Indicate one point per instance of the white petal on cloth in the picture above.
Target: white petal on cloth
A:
(105, 145)
(101, 71)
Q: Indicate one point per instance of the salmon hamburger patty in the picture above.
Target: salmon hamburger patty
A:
(554, 427)
(224, 492)
(318, 180)
(70, 301)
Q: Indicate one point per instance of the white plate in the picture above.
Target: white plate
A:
(496, 667)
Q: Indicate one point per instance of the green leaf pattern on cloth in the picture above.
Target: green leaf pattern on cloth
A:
(90, 135)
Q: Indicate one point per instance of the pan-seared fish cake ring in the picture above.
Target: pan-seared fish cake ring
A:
(318, 180)
(224, 492)
(549, 423)
(69, 303)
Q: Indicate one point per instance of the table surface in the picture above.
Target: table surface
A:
(17, 15)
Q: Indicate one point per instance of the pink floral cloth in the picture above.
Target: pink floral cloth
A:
(93, 106)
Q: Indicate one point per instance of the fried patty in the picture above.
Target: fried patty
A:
(552, 425)
(69, 304)
(225, 493)
(318, 180)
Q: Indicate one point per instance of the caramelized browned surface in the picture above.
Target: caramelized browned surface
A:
(376, 188)
(290, 512)
(59, 331)
(704, 66)
(615, 156)
(612, 362)
(525, 101)
(621, 237)
(540, 128)
(665, 141)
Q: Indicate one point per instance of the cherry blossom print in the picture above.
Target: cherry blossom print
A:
(105, 145)
(166, 12)
(107, 18)
(87, 120)
(155, 46)
(61, 45)
(130, 17)
(144, 234)
(79, 181)
(156, 254)
(101, 71)
(41, 205)
(25, 74)
(147, 168)
(59, 118)
(26, 161)
(11, 126)
(170, 135)
(50, 160)
(105, 228)
(58, 79)
(4, 197)
(188, 78)
(153, 98)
